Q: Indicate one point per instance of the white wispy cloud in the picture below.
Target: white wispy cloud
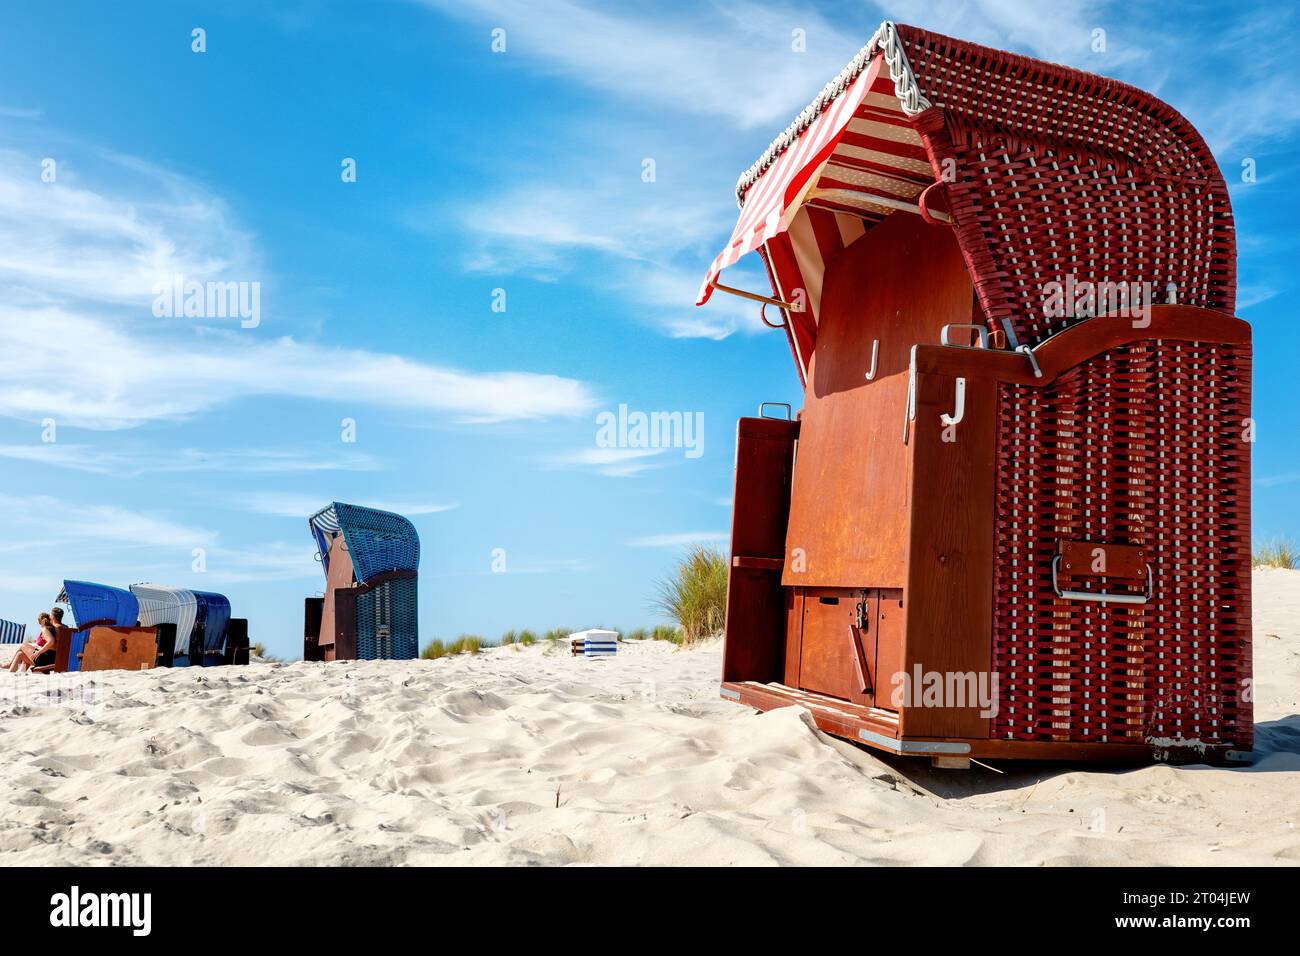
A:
(612, 462)
(39, 522)
(79, 344)
(735, 61)
(288, 505)
(679, 539)
(656, 248)
(88, 372)
(131, 463)
(64, 239)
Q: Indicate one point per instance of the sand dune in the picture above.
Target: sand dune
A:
(525, 755)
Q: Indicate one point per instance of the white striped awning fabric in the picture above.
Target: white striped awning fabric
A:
(11, 632)
(164, 604)
(861, 139)
(327, 520)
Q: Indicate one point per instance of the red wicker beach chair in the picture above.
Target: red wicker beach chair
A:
(1012, 517)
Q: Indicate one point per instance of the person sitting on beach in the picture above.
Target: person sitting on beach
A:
(37, 653)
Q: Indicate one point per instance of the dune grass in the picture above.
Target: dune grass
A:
(508, 638)
(259, 651)
(527, 638)
(465, 644)
(1277, 553)
(558, 634)
(663, 632)
(696, 594)
(660, 632)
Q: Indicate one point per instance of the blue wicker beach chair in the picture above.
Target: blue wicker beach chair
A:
(210, 649)
(371, 560)
(92, 604)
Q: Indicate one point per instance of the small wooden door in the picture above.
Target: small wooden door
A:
(837, 655)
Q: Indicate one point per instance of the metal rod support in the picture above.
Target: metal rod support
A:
(755, 297)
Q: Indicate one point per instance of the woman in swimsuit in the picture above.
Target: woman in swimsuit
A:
(38, 653)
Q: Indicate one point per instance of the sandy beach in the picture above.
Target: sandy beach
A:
(526, 755)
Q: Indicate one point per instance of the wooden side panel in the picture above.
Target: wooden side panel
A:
(339, 576)
(754, 647)
(120, 648)
(237, 641)
(63, 649)
(950, 554)
(899, 284)
(890, 621)
(344, 647)
(312, 616)
(793, 634)
(761, 500)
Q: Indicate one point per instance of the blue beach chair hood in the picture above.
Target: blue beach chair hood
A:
(378, 541)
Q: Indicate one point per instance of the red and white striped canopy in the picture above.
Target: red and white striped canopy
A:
(861, 140)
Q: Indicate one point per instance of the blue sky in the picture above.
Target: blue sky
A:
(476, 171)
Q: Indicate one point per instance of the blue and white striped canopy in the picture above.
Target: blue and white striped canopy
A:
(377, 541)
(11, 632)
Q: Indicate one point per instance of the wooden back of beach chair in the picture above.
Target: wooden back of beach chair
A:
(62, 652)
(120, 648)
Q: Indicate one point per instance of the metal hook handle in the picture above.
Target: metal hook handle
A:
(1104, 597)
(959, 412)
(978, 329)
(909, 413)
(875, 354)
(788, 410)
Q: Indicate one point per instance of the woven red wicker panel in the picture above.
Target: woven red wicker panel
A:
(1142, 445)
(1059, 173)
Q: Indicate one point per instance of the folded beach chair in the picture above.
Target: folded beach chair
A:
(162, 604)
(371, 560)
(91, 604)
(1018, 520)
(594, 642)
(214, 619)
